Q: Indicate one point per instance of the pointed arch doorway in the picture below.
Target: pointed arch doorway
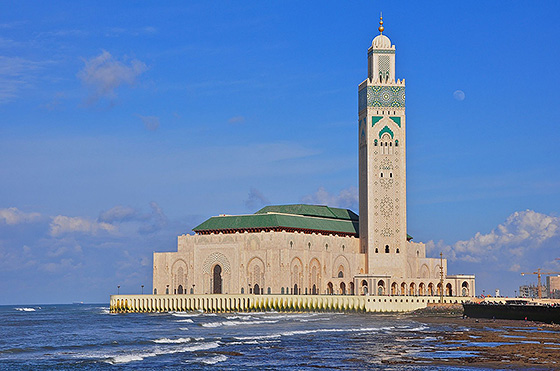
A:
(217, 279)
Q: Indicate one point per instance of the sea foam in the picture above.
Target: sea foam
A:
(132, 357)
(234, 323)
(172, 341)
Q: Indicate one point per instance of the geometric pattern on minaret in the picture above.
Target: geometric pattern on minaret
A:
(382, 162)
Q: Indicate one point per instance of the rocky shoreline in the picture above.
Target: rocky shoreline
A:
(487, 343)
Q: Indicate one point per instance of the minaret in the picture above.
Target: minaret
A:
(382, 162)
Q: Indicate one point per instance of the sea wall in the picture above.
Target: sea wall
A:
(280, 303)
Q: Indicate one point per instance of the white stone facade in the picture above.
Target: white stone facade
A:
(382, 261)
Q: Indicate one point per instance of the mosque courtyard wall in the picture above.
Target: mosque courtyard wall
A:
(296, 263)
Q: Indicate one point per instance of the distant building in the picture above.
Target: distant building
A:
(553, 287)
(316, 249)
(531, 291)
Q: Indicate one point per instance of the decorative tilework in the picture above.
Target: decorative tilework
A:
(375, 120)
(381, 51)
(384, 63)
(397, 120)
(381, 96)
(386, 130)
(385, 96)
(386, 207)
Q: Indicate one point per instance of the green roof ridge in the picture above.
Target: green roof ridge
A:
(311, 210)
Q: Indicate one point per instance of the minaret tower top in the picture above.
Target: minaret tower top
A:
(381, 58)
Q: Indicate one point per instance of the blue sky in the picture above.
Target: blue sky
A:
(125, 124)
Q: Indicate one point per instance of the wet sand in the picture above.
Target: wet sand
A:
(487, 343)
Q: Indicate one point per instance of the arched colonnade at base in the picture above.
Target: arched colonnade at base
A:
(217, 303)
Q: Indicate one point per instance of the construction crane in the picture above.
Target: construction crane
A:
(539, 274)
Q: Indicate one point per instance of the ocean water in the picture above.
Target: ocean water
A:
(65, 337)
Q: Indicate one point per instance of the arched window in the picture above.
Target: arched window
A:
(382, 175)
(340, 274)
(282, 291)
(376, 250)
(386, 249)
(375, 142)
(390, 175)
(268, 291)
(155, 291)
(397, 251)
(243, 290)
(396, 143)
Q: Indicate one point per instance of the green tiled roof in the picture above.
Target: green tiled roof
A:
(311, 218)
(311, 210)
(299, 217)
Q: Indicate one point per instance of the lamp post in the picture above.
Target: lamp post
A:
(118, 289)
(142, 289)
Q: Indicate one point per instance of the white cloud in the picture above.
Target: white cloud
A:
(150, 122)
(13, 215)
(104, 74)
(346, 198)
(65, 224)
(523, 236)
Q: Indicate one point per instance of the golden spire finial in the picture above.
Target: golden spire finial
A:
(381, 28)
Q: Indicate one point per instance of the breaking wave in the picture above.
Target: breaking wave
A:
(132, 357)
(210, 360)
(235, 323)
(185, 314)
(172, 341)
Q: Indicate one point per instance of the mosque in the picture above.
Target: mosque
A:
(317, 249)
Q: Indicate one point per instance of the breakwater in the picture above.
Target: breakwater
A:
(221, 303)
